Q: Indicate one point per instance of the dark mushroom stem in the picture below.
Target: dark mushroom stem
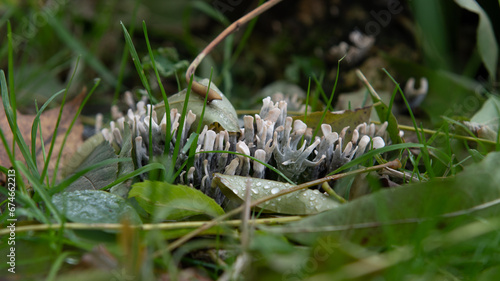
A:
(201, 89)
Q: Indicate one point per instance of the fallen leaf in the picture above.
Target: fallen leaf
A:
(173, 201)
(338, 120)
(48, 121)
(94, 206)
(221, 112)
(93, 151)
(303, 202)
(408, 211)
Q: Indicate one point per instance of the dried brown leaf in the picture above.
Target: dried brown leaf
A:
(48, 121)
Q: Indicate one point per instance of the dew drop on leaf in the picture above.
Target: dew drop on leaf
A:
(275, 190)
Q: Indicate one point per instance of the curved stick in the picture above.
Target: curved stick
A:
(201, 89)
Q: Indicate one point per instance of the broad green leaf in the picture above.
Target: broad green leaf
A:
(303, 202)
(93, 151)
(94, 206)
(486, 41)
(221, 112)
(489, 113)
(173, 201)
(488, 117)
(338, 119)
(398, 215)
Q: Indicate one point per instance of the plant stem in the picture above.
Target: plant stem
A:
(145, 227)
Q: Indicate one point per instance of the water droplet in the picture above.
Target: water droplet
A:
(266, 186)
(255, 191)
(258, 183)
(235, 190)
(279, 198)
(311, 198)
(275, 190)
(316, 191)
(112, 205)
(304, 194)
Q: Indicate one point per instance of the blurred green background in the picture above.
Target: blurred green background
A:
(292, 42)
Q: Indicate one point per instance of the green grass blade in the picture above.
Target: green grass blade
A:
(200, 124)
(61, 186)
(3, 169)
(391, 103)
(382, 110)
(41, 191)
(29, 205)
(57, 264)
(36, 122)
(7, 149)
(77, 114)
(467, 130)
(144, 80)
(319, 89)
(329, 104)
(54, 135)
(374, 152)
(141, 170)
(191, 143)
(137, 63)
(12, 87)
(18, 138)
(168, 135)
(180, 129)
(419, 136)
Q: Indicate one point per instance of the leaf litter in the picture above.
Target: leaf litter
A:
(47, 123)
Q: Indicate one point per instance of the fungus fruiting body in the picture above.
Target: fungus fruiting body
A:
(271, 137)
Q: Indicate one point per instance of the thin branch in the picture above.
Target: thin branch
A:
(201, 89)
(145, 227)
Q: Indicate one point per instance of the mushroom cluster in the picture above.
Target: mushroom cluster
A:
(270, 137)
